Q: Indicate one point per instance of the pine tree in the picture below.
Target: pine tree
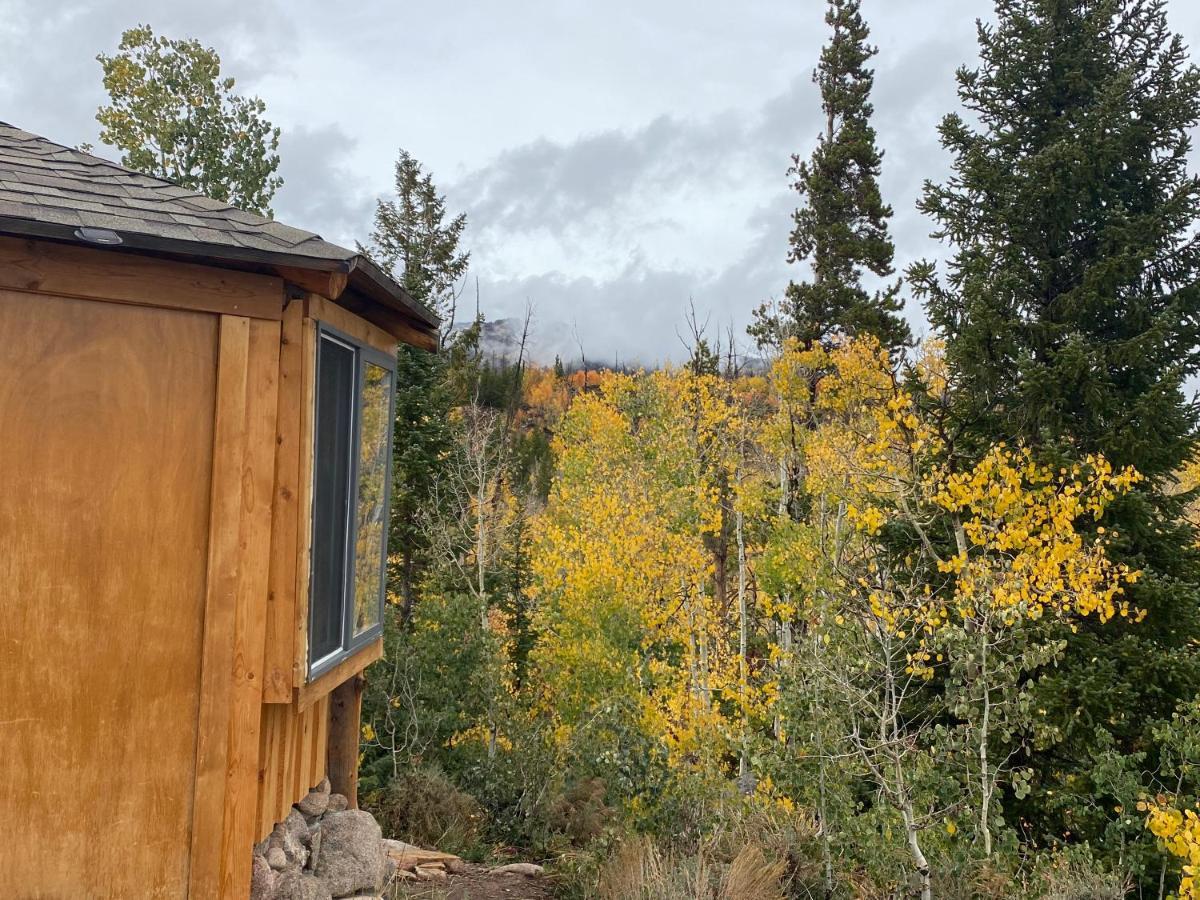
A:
(413, 240)
(1070, 313)
(842, 227)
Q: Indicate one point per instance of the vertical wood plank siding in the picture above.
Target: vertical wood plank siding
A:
(292, 750)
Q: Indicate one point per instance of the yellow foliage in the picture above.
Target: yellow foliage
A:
(1179, 833)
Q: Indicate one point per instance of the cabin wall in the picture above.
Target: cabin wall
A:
(296, 740)
(292, 758)
(139, 397)
(182, 626)
(104, 523)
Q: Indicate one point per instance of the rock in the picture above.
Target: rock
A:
(291, 836)
(262, 879)
(351, 860)
(260, 849)
(314, 846)
(337, 803)
(409, 856)
(456, 866)
(277, 859)
(432, 872)
(316, 801)
(297, 885)
(529, 869)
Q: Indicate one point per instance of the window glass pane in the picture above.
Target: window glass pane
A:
(331, 494)
(371, 515)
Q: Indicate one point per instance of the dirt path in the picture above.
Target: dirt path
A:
(474, 883)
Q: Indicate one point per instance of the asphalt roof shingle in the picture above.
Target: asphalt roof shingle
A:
(46, 188)
(47, 182)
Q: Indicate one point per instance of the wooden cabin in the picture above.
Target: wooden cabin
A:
(196, 407)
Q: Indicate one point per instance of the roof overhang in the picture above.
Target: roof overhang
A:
(329, 277)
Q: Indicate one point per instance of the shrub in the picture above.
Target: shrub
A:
(424, 807)
(1079, 877)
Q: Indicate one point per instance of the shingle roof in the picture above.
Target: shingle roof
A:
(56, 186)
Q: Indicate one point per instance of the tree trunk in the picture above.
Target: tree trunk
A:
(744, 774)
(985, 775)
(914, 849)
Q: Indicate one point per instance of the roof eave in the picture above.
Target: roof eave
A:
(362, 274)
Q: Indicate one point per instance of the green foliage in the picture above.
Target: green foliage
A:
(841, 229)
(172, 115)
(413, 240)
(425, 440)
(424, 807)
(1070, 313)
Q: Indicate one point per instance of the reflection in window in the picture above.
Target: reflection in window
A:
(352, 453)
(374, 449)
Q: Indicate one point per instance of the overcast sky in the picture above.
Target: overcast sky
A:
(614, 159)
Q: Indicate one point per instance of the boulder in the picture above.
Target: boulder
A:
(291, 836)
(316, 801)
(296, 885)
(337, 803)
(351, 858)
(262, 879)
(277, 859)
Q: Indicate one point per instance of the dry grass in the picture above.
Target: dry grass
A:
(752, 877)
(640, 871)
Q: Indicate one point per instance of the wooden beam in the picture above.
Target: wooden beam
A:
(282, 602)
(352, 324)
(328, 284)
(303, 547)
(245, 717)
(42, 267)
(220, 609)
(349, 667)
(395, 323)
(345, 711)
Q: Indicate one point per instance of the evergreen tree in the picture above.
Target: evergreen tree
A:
(842, 227)
(1070, 312)
(413, 241)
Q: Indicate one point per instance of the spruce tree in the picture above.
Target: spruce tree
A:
(1070, 311)
(414, 241)
(841, 228)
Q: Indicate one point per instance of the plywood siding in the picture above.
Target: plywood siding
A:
(104, 523)
(293, 744)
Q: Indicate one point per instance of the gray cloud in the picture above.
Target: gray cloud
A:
(320, 193)
(614, 159)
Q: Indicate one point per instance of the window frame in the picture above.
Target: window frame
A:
(350, 643)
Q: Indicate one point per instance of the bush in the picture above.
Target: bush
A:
(1078, 877)
(424, 807)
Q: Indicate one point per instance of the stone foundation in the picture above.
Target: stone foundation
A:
(322, 851)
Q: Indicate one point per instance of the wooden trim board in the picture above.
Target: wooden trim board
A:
(121, 277)
(220, 613)
(357, 327)
(241, 800)
(282, 602)
(348, 668)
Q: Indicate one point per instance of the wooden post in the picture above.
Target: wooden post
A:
(345, 710)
